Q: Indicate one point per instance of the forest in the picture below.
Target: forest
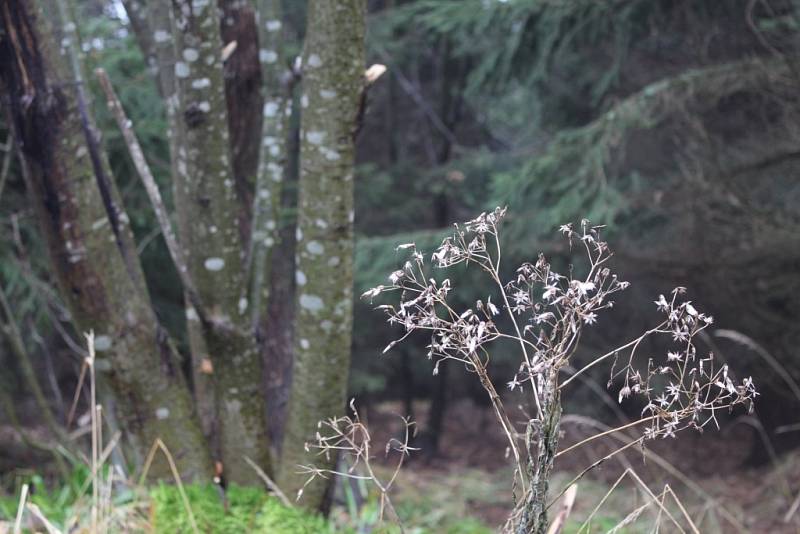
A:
(399, 266)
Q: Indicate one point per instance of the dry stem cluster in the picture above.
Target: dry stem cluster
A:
(544, 313)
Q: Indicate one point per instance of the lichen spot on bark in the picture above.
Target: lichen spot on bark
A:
(181, 69)
(270, 108)
(314, 61)
(214, 264)
(190, 54)
(315, 137)
(267, 56)
(311, 303)
(315, 247)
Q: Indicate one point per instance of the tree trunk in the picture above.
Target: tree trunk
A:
(278, 82)
(242, 74)
(207, 206)
(333, 83)
(87, 234)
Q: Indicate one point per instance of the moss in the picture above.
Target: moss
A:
(249, 510)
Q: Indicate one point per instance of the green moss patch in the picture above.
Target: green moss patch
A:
(243, 509)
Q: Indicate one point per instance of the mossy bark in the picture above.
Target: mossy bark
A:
(208, 206)
(533, 519)
(333, 83)
(88, 237)
(276, 90)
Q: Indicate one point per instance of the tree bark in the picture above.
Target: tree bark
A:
(88, 236)
(242, 74)
(207, 205)
(333, 83)
(278, 82)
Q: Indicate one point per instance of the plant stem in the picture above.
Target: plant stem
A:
(534, 513)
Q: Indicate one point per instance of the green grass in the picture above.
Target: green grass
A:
(248, 510)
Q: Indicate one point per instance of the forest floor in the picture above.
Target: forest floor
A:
(709, 473)
(470, 477)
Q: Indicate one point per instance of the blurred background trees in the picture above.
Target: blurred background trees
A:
(674, 123)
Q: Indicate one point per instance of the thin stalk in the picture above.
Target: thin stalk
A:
(153, 193)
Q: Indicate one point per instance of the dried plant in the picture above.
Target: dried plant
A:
(349, 439)
(544, 313)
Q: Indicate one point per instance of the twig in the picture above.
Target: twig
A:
(49, 527)
(149, 182)
(9, 148)
(95, 444)
(566, 508)
(269, 482)
(159, 445)
(20, 509)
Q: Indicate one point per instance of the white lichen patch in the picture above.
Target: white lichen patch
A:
(333, 261)
(304, 101)
(212, 229)
(315, 247)
(304, 344)
(201, 83)
(330, 154)
(191, 314)
(315, 137)
(326, 325)
(267, 56)
(264, 194)
(204, 106)
(311, 303)
(181, 70)
(102, 343)
(162, 413)
(242, 305)
(300, 277)
(327, 94)
(190, 54)
(99, 223)
(270, 109)
(214, 264)
(298, 234)
(272, 25)
(314, 61)
(160, 36)
(321, 223)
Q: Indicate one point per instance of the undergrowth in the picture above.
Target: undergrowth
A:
(242, 509)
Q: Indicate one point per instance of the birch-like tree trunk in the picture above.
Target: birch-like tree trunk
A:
(278, 82)
(333, 83)
(87, 233)
(207, 205)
